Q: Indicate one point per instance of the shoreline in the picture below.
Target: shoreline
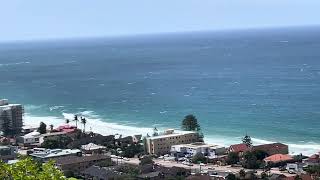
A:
(107, 128)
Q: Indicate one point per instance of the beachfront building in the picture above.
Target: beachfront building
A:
(10, 117)
(162, 143)
(52, 154)
(35, 138)
(240, 149)
(192, 149)
(273, 148)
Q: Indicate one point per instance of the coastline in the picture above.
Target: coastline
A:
(108, 128)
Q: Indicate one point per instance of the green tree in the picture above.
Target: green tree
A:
(84, 122)
(42, 128)
(190, 123)
(27, 169)
(251, 161)
(67, 121)
(247, 140)
(233, 158)
(51, 127)
(231, 177)
(199, 157)
(260, 154)
(60, 142)
(146, 160)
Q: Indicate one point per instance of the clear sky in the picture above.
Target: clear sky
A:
(47, 19)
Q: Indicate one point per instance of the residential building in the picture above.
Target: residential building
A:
(78, 164)
(11, 116)
(8, 153)
(49, 154)
(92, 148)
(162, 143)
(312, 160)
(273, 148)
(277, 158)
(198, 147)
(239, 148)
(35, 138)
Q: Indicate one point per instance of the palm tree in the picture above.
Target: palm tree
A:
(51, 127)
(84, 121)
(76, 120)
(67, 121)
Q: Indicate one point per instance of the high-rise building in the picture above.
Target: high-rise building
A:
(11, 116)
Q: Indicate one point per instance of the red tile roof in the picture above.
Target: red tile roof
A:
(239, 148)
(278, 158)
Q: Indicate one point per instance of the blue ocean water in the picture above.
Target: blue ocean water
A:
(263, 82)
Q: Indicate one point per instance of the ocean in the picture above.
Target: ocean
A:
(265, 83)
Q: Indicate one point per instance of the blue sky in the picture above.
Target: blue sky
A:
(39, 19)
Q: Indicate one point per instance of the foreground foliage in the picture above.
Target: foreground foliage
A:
(27, 169)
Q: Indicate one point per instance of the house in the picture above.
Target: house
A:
(28, 129)
(8, 153)
(101, 173)
(273, 148)
(161, 144)
(278, 177)
(239, 148)
(92, 148)
(78, 164)
(29, 139)
(312, 160)
(198, 147)
(278, 158)
(52, 154)
(35, 138)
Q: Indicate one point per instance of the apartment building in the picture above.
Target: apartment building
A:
(10, 117)
(161, 144)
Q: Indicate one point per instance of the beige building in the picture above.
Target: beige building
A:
(162, 143)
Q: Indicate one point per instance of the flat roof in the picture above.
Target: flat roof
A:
(197, 145)
(172, 135)
(50, 153)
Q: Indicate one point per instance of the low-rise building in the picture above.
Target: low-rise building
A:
(198, 147)
(52, 154)
(294, 168)
(312, 160)
(162, 143)
(278, 158)
(92, 148)
(136, 138)
(35, 138)
(273, 148)
(67, 128)
(8, 153)
(239, 148)
(78, 164)
(101, 173)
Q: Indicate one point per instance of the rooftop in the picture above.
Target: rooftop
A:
(239, 147)
(80, 159)
(92, 146)
(173, 134)
(52, 153)
(279, 158)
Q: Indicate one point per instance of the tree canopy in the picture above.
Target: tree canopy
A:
(199, 157)
(247, 140)
(146, 160)
(42, 128)
(27, 169)
(190, 123)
